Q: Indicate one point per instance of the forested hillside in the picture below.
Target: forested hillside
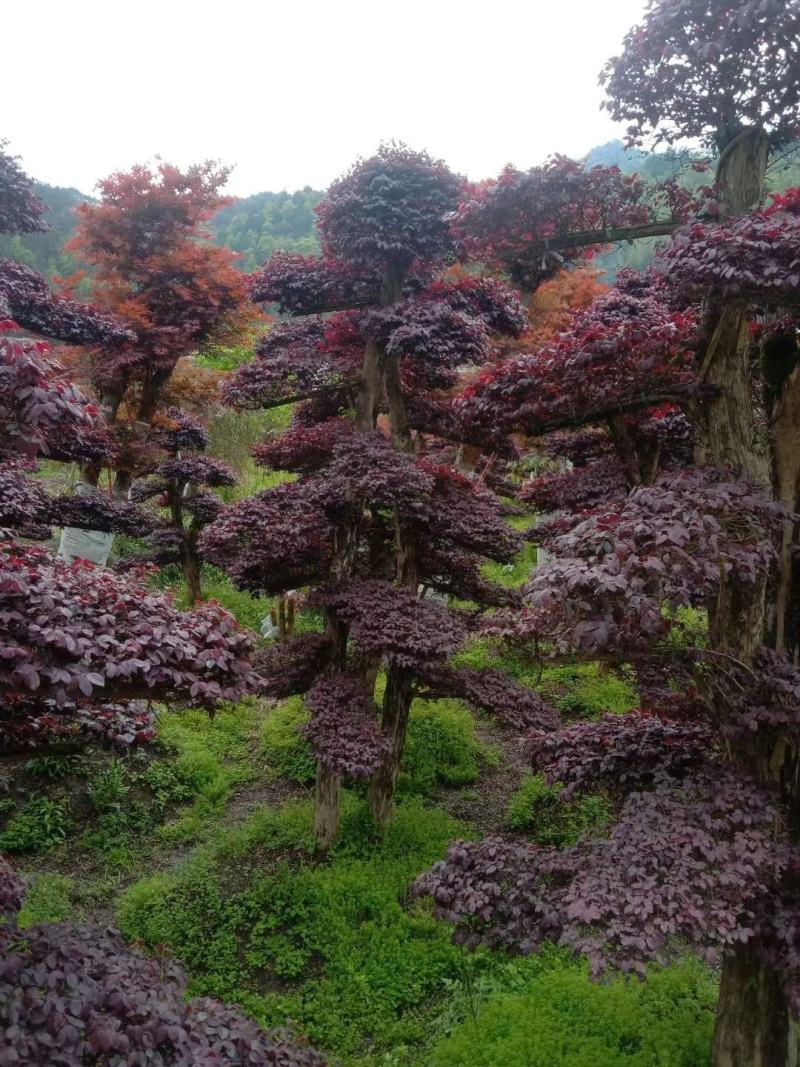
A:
(257, 225)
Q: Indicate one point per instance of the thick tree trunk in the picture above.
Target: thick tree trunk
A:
(394, 723)
(190, 563)
(786, 435)
(369, 393)
(753, 1027)
(326, 807)
(401, 434)
(733, 439)
(638, 456)
(753, 1024)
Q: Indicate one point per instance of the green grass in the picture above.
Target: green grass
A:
(49, 898)
(248, 610)
(563, 1020)
(584, 690)
(579, 690)
(335, 946)
(512, 575)
(536, 809)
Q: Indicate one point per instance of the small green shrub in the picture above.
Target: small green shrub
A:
(564, 1020)
(537, 809)
(248, 610)
(52, 767)
(40, 825)
(165, 785)
(484, 652)
(691, 629)
(441, 745)
(334, 945)
(48, 899)
(108, 790)
(512, 575)
(583, 690)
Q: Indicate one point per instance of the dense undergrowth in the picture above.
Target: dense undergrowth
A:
(198, 862)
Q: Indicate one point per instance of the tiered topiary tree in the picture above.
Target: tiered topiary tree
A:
(704, 852)
(623, 366)
(370, 524)
(181, 483)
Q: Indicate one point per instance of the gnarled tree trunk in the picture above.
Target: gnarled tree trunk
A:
(753, 1027)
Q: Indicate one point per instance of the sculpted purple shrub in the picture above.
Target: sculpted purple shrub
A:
(344, 732)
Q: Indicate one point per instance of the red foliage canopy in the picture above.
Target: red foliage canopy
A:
(755, 258)
(505, 221)
(628, 351)
(76, 638)
(153, 265)
(708, 68)
(389, 211)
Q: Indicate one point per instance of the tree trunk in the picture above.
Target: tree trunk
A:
(786, 435)
(326, 807)
(370, 393)
(394, 723)
(753, 1024)
(190, 562)
(752, 1027)
(401, 434)
(638, 456)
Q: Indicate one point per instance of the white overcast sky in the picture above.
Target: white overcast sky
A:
(291, 93)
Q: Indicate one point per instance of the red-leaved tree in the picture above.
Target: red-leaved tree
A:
(371, 524)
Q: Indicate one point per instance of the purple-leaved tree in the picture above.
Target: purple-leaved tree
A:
(377, 333)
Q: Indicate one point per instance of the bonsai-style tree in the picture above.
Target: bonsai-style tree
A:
(621, 367)
(705, 773)
(531, 224)
(371, 524)
(80, 648)
(181, 484)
